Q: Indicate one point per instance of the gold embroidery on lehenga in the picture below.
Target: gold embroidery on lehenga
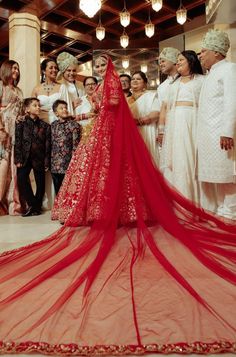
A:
(116, 350)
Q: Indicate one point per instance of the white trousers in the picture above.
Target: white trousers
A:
(219, 198)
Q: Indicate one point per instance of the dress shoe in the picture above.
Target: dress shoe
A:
(35, 212)
(31, 212)
(27, 213)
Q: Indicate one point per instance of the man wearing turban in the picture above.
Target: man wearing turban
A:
(167, 62)
(217, 127)
(67, 65)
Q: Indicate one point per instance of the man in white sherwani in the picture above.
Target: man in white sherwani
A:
(217, 127)
(167, 62)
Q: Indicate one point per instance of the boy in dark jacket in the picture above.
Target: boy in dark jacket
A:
(65, 134)
(32, 152)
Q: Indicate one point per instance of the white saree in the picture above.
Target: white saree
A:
(143, 106)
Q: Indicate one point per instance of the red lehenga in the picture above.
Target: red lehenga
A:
(149, 273)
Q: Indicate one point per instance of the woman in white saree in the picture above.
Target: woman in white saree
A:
(85, 110)
(144, 107)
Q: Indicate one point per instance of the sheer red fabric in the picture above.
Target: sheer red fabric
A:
(136, 268)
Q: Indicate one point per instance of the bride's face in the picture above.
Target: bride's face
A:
(100, 66)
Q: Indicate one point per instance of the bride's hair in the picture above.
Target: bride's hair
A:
(102, 55)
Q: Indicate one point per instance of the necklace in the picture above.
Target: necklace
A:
(48, 88)
(187, 78)
(136, 96)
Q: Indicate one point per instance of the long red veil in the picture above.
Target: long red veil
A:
(136, 267)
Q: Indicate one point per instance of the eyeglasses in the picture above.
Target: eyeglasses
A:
(90, 84)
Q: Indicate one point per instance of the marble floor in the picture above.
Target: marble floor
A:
(18, 231)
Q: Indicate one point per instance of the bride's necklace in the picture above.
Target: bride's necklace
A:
(48, 88)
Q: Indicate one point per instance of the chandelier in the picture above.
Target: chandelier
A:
(153, 83)
(125, 62)
(143, 67)
(181, 14)
(156, 5)
(124, 40)
(100, 30)
(124, 17)
(149, 27)
(90, 7)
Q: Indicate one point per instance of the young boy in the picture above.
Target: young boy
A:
(32, 152)
(65, 138)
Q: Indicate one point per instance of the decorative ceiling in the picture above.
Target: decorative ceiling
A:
(64, 27)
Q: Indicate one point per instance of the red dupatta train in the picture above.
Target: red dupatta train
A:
(136, 268)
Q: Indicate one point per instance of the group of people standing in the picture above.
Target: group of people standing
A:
(136, 268)
(197, 124)
(188, 125)
(40, 133)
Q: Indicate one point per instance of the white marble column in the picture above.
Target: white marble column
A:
(24, 48)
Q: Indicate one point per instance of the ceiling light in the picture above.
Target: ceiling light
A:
(125, 62)
(153, 83)
(124, 40)
(157, 5)
(181, 14)
(100, 31)
(124, 17)
(90, 7)
(144, 68)
(149, 29)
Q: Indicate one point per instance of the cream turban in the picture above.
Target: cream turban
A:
(64, 60)
(169, 54)
(216, 40)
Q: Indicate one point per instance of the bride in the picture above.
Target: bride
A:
(135, 269)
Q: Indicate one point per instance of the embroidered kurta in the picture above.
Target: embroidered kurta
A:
(217, 117)
(33, 142)
(65, 139)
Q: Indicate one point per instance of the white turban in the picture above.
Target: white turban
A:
(216, 40)
(170, 54)
(64, 60)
